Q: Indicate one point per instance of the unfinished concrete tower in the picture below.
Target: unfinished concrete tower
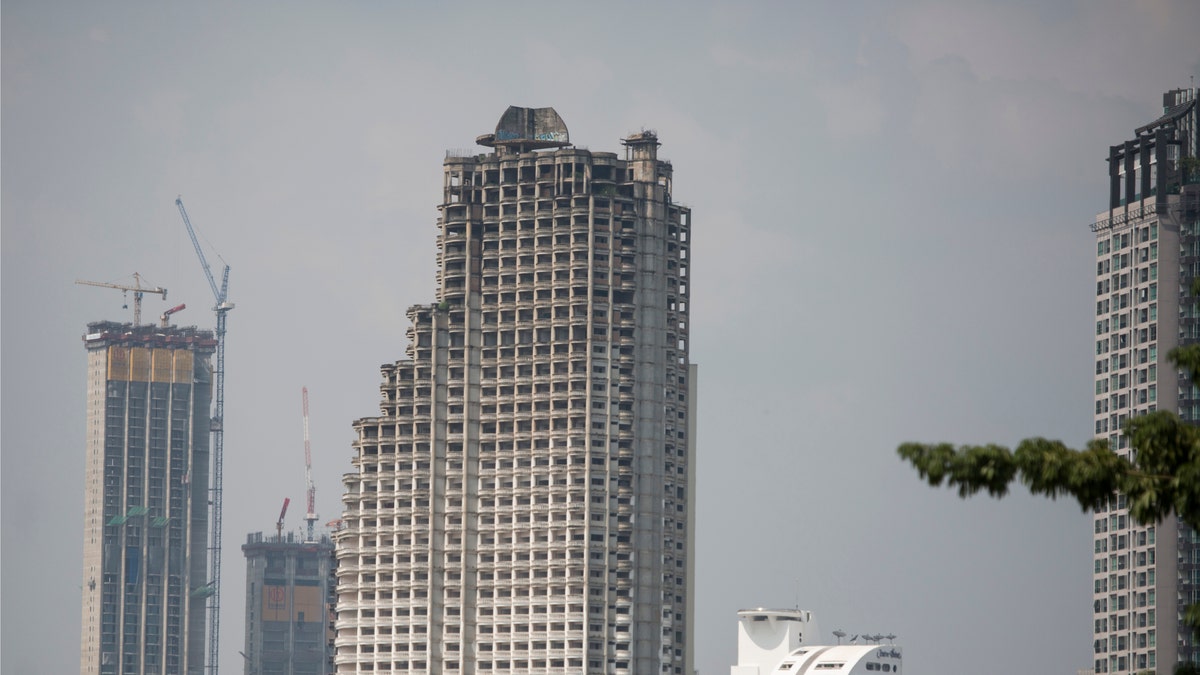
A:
(289, 584)
(523, 503)
(146, 499)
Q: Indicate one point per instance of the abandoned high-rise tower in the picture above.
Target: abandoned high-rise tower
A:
(524, 501)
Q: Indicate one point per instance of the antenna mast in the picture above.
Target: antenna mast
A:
(311, 516)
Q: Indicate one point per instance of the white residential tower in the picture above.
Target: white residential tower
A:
(1147, 255)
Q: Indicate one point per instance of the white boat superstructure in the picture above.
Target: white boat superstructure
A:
(786, 641)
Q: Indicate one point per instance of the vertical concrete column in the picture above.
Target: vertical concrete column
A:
(650, 302)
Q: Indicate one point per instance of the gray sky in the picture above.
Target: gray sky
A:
(891, 206)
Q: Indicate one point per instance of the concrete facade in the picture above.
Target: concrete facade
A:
(1147, 255)
(289, 605)
(523, 503)
(145, 499)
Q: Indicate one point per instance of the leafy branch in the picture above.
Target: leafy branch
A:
(1161, 477)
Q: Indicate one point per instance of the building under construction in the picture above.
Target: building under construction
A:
(146, 499)
(289, 593)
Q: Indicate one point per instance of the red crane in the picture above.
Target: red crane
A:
(279, 523)
(166, 316)
(311, 516)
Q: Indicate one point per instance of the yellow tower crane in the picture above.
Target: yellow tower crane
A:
(138, 290)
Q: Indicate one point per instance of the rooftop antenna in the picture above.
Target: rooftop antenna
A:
(310, 490)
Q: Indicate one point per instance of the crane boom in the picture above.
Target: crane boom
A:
(221, 308)
(311, 516)
(137, 288)
(279, 523)
(166, 316)
(219, 295)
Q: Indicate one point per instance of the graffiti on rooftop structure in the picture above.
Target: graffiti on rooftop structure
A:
(537, 125)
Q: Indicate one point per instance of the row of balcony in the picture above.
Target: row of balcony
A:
(370, 445)
(556, 481)
(514, 598)
(350, 633)
(563, 513)
(545, 475)
(388, 649)
(612, 395)
(531, 407)
(496, 621)
(571, 394)
(568, 497)
(535, 500)
(542, 550)
(546, 499)
(539, 529)
(545, 273)
(617, 282)
(378, 454)
(544, 561)
(543, 191)
(576, 256)
(545, 320)
(580, 233)
(532, 565)
(538, 258)
(492, 354)
(423, 399)
(549, 218)
(499, 667)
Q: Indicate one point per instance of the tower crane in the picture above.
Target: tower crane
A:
(311, 516)
(222, 307)
(138, 290)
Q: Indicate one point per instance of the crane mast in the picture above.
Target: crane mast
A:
(311, 516)
(221, 308)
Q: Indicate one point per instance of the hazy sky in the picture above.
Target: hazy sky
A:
(890, 206)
